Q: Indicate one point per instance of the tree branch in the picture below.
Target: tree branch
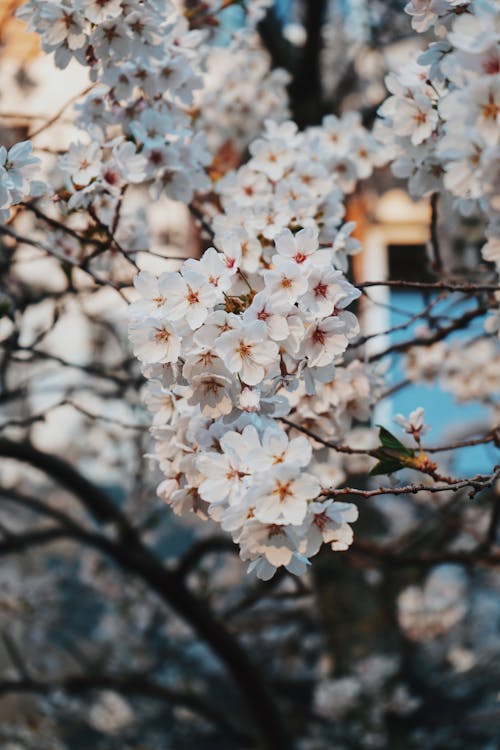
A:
(198, 550)
(477, 484)
(97, 502)
(135, 685)
(133, 556)
(448, 286)
(440, 334)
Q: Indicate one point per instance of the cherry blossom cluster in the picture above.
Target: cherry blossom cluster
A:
(97, 33)
(441, 123)
(259, 484)
(226, 345)
(137, 118)
(338, 403)
(243, 349)
(426, 14)
(240, 92)
(252, 332)
(297, 179)
(18, 168)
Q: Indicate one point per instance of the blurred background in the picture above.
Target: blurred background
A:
(369, 650)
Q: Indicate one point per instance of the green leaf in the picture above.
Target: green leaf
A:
(388, 440)
(392, 455)
(386, 466)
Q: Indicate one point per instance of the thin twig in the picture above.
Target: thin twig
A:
(40, 246)
(491, 437)
(477, 483)
(439, 285)
(60, 111)
(440, 334)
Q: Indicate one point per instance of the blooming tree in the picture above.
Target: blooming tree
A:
(251, 351)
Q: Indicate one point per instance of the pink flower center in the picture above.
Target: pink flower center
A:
(320, 289)
(319, 336)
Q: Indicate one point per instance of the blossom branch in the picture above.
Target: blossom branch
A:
(491, 437)
(477, 484)
(438, 285)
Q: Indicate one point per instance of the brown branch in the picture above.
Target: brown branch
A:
(39, 507)
(491, 437)
(15, 654)
(424, 313)
(440, 334)
(96, 372)
(199, 217)
(201, 548)
(60, 112)
(282, 52)
(96, 502)
(256, 592)
(113, 242)
(491, 534)
(26, 117)
(75, 264)
(133, 556)
(102, 418)
(22, 542)
(442, 285)
(132, 684)
(13, 395)
(477, 483)
(326, 443)
(395, 388)
(55, 224)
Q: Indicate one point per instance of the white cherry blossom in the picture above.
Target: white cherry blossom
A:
(188, 296)
(324, 341)
(246, 351)
(281, 495)
(155, 342)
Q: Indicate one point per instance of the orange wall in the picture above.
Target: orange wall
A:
(14, 41)
(357, 210)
